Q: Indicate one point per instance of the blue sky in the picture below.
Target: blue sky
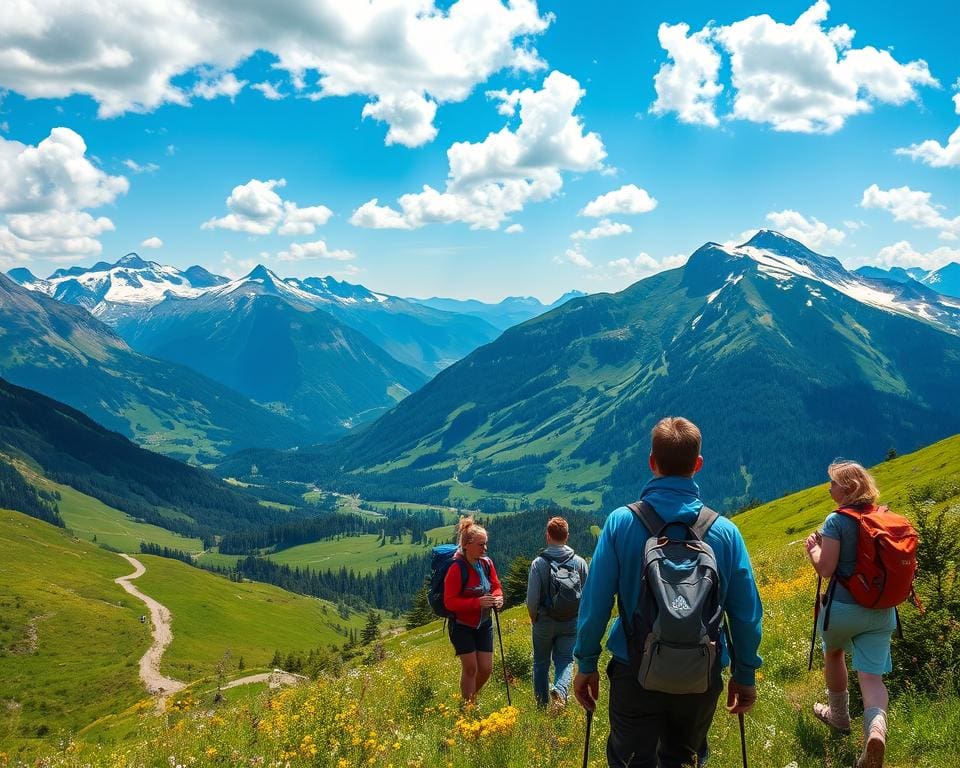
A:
(475, 149)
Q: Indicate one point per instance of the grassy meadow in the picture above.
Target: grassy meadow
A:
(403, 709)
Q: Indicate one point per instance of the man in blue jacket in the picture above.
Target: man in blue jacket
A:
(649, 728)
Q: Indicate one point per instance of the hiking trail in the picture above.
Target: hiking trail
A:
(160, 618)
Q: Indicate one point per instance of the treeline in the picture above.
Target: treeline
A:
(17, 494)
(394, 525)
(149, 548)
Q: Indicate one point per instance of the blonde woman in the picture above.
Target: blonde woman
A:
(863, 632)
(472, 591)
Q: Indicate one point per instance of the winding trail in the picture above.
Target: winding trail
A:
(156, 683)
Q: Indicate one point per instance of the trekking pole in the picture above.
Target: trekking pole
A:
(586, 741)
(743, 740)
(816, 615)
(503, 661)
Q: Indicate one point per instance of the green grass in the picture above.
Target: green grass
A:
(212, 615)
(87, 640)
(362, 554)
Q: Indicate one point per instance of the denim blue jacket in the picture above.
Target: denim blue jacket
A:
(616, 565)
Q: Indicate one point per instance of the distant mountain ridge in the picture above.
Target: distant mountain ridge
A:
(513, 310)
(66, 353)
(784, 358)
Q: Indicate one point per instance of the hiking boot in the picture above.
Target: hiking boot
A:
(872, 756)
(825, 714)
(557, 700)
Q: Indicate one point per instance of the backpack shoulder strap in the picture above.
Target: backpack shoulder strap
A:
(464, 572)
(648, 516)
(706, 518)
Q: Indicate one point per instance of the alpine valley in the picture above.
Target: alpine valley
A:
(784, 358)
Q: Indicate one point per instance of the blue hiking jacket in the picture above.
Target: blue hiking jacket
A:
(616, 566)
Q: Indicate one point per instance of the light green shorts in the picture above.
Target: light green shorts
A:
(864, 632)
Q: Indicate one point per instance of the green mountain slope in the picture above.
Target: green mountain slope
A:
(64, 352)
(266, 340)
(781, 371)
(69, 448)
(402, 710)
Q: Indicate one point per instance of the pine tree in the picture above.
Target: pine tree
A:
(420, 613)
(371, 630)
(515, 584)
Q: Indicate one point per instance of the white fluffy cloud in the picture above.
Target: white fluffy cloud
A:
(152, 242)
(514, 229)
(489, 180)
(903, 254)
(315, 250)
(256, 208)
(136, 167)
(406, 56)
(605, 228)
(912, 206)
(932, 152)
(575, 256)
(269, 90)
(43, 191)
(644, 265)
(798, 77)
(689, 85)
(812, 233)
(629, 199)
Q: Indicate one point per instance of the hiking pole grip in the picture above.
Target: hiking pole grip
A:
(586, 740)
(816, 615)
(503, 661)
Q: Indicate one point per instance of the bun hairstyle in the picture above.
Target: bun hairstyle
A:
(857, 486)
(467, 529)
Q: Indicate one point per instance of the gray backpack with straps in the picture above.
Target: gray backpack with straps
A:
(563, 591)
(673, 637)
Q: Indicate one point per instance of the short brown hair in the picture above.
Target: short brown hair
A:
(857, 486)
(675, 445)
(557, 529)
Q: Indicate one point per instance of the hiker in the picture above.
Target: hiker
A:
(471, 628)
(863, 631)
(649, 726)
(554, 588)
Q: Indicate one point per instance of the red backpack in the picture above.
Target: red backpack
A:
(886, 557)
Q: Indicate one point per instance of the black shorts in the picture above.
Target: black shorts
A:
(469, 639)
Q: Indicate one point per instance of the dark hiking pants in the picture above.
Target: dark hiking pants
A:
(657, 730)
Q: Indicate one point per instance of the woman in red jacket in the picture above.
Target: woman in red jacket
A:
(472, 602)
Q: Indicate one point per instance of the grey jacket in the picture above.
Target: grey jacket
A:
(540, 575)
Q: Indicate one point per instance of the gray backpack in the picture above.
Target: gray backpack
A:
(673, 637)
(563, 589)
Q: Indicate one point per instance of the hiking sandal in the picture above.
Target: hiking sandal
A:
(822, 712)
(872, 756)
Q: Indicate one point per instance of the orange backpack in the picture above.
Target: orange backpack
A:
(886, 557)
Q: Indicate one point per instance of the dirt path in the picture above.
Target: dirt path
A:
(162, 636)
(274, 679)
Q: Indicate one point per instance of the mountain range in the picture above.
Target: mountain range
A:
(945, 280)
(513, 310)
(784, 358)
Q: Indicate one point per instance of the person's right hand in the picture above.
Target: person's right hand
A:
(740, 698)
(488, 601)
(586, 687)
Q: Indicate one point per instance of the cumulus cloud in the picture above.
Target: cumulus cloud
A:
(629, 199)
(269, 90)
(315, 250)
(134, 166)
(489, 180)
(514, 229)
(812, 233)
(689, 85)
(152, 242)
(43, 191)
(912, 207)
(256, 208)
(405, 56)
(643, 265)
(605, 228)
(54, 175)
(575, 256)
(800, 77)
(903, 254)
(932, 152)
